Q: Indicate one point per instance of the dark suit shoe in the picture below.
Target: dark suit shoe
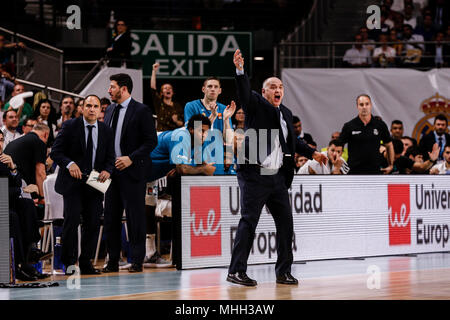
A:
(241, 278)
(135, 267)
(30, 270)
(111, 268)
(37, 255)
(23, 276)
(286, 278)
(89, 269)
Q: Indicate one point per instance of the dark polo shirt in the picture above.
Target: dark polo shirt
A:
(364, 144)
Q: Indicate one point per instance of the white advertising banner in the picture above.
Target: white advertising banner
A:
(334, 217)
(325, 99)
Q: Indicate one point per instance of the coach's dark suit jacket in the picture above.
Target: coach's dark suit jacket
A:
(127, 190)
(138, 137)
(427, 142)
(260, 114)
(70, 145)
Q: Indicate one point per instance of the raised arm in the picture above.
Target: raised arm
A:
(153, 78)
(244, 91)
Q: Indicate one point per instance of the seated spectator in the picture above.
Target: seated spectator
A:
(384, 56)
(357, 56)
(46, 114)
(9, 129)
(402, 163)
(409, 17)
(28, 125)
(6, 84)
(438, 135)
(427, 30)
(66, 107)
(335, 165)
(443, 167)
(335, 136)
(408, 142)
(440, 52)
(412, 52)
(397, 129)
(26, 110)
(398, 44)
(298, 131)
(104, 103)
(413, 154)
(169, 113)
(175, 151)
(440, 12)
(299, 162)
(368, 42)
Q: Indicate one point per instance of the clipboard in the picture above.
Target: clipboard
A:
(93, 182)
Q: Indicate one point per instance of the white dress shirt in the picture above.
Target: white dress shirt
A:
(9, 136)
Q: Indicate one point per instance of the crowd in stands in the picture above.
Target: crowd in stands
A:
(399, 42)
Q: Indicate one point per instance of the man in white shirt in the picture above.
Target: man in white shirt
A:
(444, 166)
(384, 55)
(357, 56)
(10, 121)
(336, 165)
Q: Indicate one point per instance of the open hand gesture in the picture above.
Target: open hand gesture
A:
(229, 111)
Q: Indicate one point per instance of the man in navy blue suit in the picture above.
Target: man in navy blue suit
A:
(83, 144)
(264, 179)
(134, 139)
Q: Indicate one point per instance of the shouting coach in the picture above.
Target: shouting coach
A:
(267, 180)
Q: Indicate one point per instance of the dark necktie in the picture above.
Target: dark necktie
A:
(115, 119)
(281, 137)
(440, 149)
(89, 150)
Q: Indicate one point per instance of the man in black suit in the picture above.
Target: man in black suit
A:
(83, 144)
(438, 135)
(135, 138)
(120, 49)
(266, 181)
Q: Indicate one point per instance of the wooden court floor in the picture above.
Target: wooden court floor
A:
(425, 276)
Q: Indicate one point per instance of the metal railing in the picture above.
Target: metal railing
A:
(38, 62)
(53, 94)
(335, 52)
(308, 31)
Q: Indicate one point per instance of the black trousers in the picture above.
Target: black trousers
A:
(256, 191)
(86, 202)
(124, 193)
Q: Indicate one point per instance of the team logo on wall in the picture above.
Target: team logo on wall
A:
(431, 107)
(399, 214)
(205, 221)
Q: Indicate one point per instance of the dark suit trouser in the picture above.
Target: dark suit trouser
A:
(124, 193)
(256, 191)
(86, 202)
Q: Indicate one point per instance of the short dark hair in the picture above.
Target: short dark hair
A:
(105, 100)
(64, 97)
(447, 145)
(123, 80)
(336, 142)
(363, 95)
(398, 146)
(198, 117)
(412, 151)
(414, 141)
(6, 113)
(441, 117)
(396, 122)
(295, 119)
(28, 119)
(212, 78)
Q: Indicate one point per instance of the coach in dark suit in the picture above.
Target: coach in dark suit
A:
(266, 181)
(135, 138)
(438, 136)
(82, 144)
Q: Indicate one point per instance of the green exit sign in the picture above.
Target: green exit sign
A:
(191, 54)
